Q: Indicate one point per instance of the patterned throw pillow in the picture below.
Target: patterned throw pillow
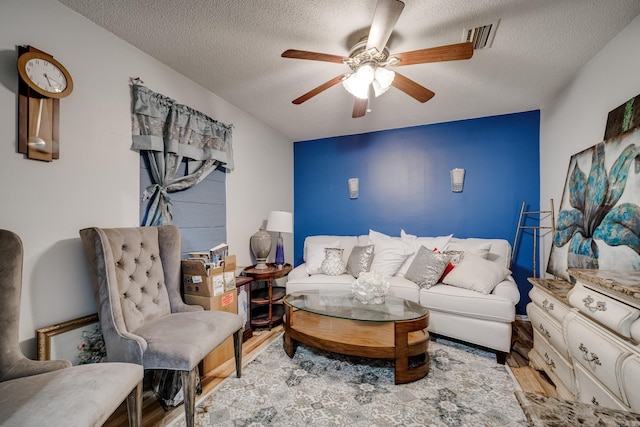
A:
(360, 260)
(427, 267)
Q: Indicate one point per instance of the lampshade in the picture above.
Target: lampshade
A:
(280, 221)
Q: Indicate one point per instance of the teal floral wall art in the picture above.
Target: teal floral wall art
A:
(598, 225)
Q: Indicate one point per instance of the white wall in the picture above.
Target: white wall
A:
(95, 181)
(577, 117)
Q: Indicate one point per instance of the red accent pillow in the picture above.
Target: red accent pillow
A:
(447, 269)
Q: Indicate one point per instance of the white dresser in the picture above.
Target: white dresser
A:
(547, 312)
(602, 332)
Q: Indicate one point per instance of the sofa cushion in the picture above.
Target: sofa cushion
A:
(300, 282)
(476, 273)
(499, 252)
(346, 242)
(427, 267)
(360, 260)
(478, 248)
(315, 254)
(468, 303)
(389, 253)
(440, 243)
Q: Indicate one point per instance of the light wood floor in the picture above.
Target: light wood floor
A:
(153, 414)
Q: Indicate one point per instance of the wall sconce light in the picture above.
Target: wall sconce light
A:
(353, 187)
(457, 180)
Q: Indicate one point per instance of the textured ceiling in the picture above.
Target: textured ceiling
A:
(233, 47)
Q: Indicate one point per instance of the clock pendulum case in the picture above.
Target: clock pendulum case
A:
(43, 81)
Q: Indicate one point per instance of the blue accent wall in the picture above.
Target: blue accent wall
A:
(405, 183)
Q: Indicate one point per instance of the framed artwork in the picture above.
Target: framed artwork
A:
(623, 118)
(78, 340)
(598, 225)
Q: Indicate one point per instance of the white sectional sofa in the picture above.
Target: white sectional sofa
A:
(455, 312)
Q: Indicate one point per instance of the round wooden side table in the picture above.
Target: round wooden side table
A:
(267, 309)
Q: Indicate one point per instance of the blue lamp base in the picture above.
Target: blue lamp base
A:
(279, 252)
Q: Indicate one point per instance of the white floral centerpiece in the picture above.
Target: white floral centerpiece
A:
(370, 288)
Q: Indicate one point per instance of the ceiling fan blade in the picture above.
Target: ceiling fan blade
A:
(359, 108)
(452, 52)
(321, 88)
(313, 56)
(412, 88)
(384, 20)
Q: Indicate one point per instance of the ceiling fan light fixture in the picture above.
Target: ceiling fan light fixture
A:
(357, 84)
(382, 81)
(356, 87)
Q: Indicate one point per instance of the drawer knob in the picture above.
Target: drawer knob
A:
(544, 331)
(585, 355)
(550, 361)
(600, 305)
(546, 305)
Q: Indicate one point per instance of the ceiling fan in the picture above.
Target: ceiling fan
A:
(369, 59)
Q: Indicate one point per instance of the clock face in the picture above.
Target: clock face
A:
(44, 75)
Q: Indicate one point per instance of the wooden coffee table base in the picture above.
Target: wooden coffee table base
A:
(385, 340)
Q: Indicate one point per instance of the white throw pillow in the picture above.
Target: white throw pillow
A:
(440, 243)
(316, 254)
(389, 253)
(480, 249)
(476, 273)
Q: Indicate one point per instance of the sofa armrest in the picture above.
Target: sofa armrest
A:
(508, 289)
(300, 272)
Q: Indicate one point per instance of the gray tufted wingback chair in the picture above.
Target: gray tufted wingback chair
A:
(136, 276)
(52, 393)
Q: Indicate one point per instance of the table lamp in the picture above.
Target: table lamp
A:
(282, 222)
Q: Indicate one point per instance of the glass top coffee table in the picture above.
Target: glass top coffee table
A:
(335, 321)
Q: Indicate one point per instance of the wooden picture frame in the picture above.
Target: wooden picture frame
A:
(61, 341)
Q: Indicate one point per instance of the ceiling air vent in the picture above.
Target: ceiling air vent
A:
(481, 37)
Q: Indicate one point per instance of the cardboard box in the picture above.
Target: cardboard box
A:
(199, 280)
(229, 272)
(225, 302)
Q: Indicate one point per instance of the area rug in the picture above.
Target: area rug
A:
(465, 387)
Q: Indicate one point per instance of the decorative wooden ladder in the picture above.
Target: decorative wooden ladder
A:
(541, 215)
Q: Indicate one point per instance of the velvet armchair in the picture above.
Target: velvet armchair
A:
(50, 393)
(136, 277)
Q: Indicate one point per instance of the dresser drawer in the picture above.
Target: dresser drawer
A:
(554, 307)
(613, 314)
(597, 353)
(592, 392)
(548, 328)
(553, 361)
(631, 381)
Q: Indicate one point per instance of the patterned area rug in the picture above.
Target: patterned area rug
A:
(465, 387)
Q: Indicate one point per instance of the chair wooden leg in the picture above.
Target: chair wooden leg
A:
(189, 390)
(237, 347)
(501, 357)
(134, 406)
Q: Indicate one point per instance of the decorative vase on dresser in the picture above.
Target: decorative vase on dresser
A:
(547, 311)
(603, 335)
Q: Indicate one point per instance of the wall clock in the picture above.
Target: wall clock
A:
(43, 81)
